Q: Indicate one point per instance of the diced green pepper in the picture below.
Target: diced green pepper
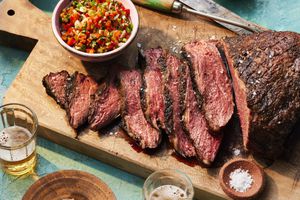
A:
(83, 48)
(93, 43)
(93, 3)
(128, 30)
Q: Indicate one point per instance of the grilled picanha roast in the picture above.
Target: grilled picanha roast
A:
(205, 141)
(211, 83)
(265, 70)
(106, 103)
(181, 142)
(152, 93)
(79, 92)
(134, 121)
(83, 99)
(192, 103)
(56, 84)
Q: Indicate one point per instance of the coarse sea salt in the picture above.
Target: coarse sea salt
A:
(240, 180)
(236, 152)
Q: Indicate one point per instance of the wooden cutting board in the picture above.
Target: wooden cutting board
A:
(24, 26)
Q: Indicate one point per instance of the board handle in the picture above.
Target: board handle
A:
(160, 5)
(20, 17)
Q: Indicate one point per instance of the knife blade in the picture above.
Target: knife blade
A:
(211, 7)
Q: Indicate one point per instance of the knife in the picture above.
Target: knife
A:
(205, 8)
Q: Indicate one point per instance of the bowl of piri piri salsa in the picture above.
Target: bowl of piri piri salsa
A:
(95, 30)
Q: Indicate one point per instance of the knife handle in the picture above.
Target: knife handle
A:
(160, 5)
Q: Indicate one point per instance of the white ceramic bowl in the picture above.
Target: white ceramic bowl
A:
(96, 57)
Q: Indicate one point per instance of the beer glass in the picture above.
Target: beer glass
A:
(18, 127)
(168, 184)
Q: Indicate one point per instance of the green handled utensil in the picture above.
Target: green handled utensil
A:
(160, 5)
(174, 6)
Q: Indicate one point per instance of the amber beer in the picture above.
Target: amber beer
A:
(17, 139)
(18, 160)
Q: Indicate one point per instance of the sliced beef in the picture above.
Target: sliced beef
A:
(56, 84)
(265, 69)
(205, 142)
(80, 88)
(177, 136)
(152, 93)
(134, 121)
(212, 84)
(106, 103)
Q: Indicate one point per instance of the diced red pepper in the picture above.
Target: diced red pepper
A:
(66, 26)
(74, 17)
(70, 30)
(71, 41)
(96, 19)
(116, 35)
(127, 11)
(108, 24)
(90, 50)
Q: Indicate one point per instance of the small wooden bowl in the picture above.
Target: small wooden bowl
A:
(69, 184)
(256, 172)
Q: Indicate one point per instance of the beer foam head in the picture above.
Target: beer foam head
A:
(14, 135)
(3, 138)
(168, 192)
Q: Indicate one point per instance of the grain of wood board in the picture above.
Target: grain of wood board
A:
(31, 24)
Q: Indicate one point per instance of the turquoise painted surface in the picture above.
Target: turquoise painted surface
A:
(10, 62)
(46, 5)
(274, 14)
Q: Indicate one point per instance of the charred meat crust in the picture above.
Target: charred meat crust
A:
(168, 112)
(69, 90)
(182, 86)
(142, 66)
(168, 108)
(57, 92)
(225, 62)
(198, 94)
(144, 100)
(268, 66)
